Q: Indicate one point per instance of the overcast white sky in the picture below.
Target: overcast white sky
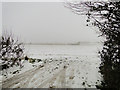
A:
(0, 18)
(46, 22)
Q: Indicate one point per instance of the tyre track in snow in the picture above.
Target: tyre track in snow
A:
(49, 77)
(18, 78)
(23, 79)
(53, 78)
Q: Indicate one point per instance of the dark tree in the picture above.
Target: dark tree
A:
(10, 48)
(105, 16)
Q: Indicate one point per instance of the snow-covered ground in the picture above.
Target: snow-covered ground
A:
(63, 66)
(45, 51)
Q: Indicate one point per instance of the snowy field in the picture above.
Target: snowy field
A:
(62, 66)
(43, 51)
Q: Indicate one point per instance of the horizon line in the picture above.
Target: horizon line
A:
(77, 43)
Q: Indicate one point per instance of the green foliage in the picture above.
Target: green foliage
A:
(31, 60)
